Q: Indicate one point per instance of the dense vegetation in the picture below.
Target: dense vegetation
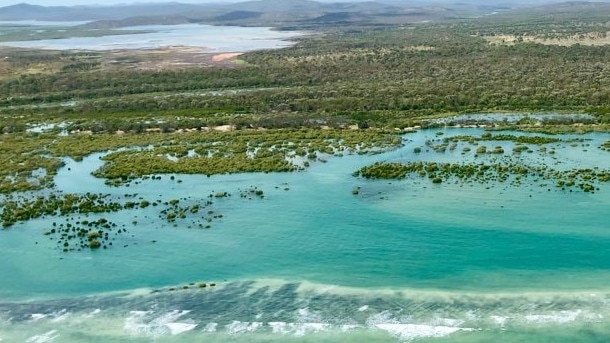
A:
(389, 76)
(31, 160)
(514, 174)
(346, 90)
(24, 209)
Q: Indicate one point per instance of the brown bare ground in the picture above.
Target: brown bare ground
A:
(167, 58)
(171, 57)
(224, 57)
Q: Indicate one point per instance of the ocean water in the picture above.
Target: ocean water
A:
(401, 261)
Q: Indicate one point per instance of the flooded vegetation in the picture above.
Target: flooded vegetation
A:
(486, 174)
(33, 159)
(394, 175)
(495, 165)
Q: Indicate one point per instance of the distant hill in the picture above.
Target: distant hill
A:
(138, 21)
(333, 17)
(277, 13)
(570, 6)
(238, 15)
(556, 10)
(78, 13)
(274, 6)
(25, 11)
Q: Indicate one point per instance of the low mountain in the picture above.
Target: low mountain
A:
(282, 6)
(22, 10)
(137, 21)
(238, 15)
(25, 11)
(366, 6)
(332, 17)
(79, 13)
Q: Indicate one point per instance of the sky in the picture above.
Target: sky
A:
(114, 2)
(102, 2)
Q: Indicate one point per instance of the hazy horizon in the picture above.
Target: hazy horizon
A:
(128, 2)
(107, 2)
(131, 2)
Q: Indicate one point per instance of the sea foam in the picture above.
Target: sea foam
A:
(563, 317)
(237, 327)
(47, 337)
(410, 332)
(140, 323)
(400, 328)
(298, 329)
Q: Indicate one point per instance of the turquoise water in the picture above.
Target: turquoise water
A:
(311, 262)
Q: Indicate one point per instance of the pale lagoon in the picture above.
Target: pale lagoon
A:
(207, 37)
(403, 260)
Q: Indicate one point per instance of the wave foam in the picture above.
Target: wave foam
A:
(297, 329)
(562, 317)
(37, 316)
(499, 320)
(409, 332)
(56, 316)
(237, 327)
(305, 316)
(60, 316)
(210, 327)
(178, 328)
(436, 328)
(93, 313)
(47, 337)
(140, 323)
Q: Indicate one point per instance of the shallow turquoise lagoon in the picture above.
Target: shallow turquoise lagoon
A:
(311, 262)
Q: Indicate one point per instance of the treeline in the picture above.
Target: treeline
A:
(383, 75)
(548, 21)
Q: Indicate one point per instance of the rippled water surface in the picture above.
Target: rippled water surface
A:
(402, 260)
